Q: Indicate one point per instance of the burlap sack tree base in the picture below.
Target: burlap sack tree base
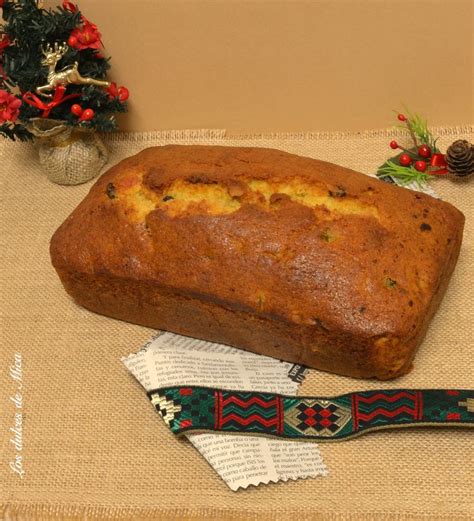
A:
(69, 156)
(94, 447)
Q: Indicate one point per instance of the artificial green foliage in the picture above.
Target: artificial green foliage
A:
(418, 127)
(421, 157)
(15, 132)
(30, 29)
(404, 174)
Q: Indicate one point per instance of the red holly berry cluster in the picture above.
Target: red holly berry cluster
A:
(113, 91)
(421, 157)
(121, 93)
(82, 114)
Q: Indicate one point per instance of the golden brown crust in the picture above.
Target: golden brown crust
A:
(280, 254)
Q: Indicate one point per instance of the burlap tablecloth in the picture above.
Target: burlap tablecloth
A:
(95, 448)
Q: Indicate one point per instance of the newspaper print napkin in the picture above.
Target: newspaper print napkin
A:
(170, 359)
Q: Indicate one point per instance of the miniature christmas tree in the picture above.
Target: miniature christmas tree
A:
(51, 66)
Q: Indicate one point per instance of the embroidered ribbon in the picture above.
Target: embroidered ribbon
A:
(439, 160)
(58, 98)
(196, 408)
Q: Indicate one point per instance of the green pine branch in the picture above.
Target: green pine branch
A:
(15, 132)
(418, 127)
(404, 174)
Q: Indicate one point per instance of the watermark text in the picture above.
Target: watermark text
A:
(16, 430)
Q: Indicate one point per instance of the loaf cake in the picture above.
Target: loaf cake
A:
(260, 249)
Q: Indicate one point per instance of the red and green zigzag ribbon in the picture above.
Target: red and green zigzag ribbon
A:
(194, 408)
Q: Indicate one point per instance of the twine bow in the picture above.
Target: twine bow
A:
(58, 98)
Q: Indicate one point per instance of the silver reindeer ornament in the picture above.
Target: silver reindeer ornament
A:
(66, 76)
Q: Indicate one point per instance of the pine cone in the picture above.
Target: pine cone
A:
(460, 158)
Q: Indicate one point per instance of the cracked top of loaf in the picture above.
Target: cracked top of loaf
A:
(265, 231)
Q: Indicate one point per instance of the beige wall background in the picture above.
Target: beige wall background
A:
(267, 65)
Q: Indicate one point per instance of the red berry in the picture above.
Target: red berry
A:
(424, 151)
(123, 94)
(72, 41)
(402, 117)
(393, 144)
(420, 166)
(405, 160)
(87, 115)
(76, 110)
